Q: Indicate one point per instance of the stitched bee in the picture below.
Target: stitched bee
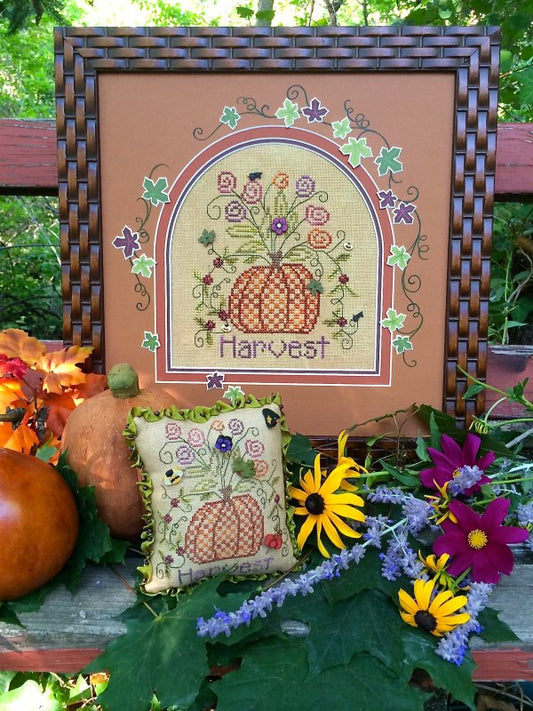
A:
(172, 476)
(254, 176)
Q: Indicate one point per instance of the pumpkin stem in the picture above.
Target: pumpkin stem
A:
(123, 381)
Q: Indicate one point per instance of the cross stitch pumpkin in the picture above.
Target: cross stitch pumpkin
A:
(213, 485)
(274, 299)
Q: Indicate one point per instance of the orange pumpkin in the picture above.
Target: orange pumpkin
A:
(38, 523)
(274, 299)
(231, 528)
(96, 450)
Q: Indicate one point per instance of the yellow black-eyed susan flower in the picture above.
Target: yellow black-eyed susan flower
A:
(325, 506)
(437, 614)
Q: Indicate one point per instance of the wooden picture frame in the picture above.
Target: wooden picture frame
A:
(411, 110)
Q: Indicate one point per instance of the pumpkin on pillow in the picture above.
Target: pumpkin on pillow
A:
(214, 488)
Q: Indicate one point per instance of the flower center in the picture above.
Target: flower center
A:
(425, 620)
(315, 504)
(477, 539)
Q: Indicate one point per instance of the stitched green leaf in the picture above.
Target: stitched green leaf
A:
(241, 231)
(281, 206)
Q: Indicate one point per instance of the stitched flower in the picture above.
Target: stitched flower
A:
(325, 507)
(319, 239)
(185, 455)
(226, 182)
(279, 225)
(261, 468)
(254, 448)
(172, 431)
(252, 192)
(437, 614)
(305, 186)
(452, 458)
(217, 425)
(316, 215)
(281, 181)
(196, 437)
(479, 541)
(218, 262)
(344, 279)
(223, 443)
(210, 325)
(236, 426)
(207, 279)
(234, 211)
(223, 315)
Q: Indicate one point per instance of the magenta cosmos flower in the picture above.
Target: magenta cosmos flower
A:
(479, 541)
(452, 459)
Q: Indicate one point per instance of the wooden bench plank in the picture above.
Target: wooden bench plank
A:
(71, 630)
(28, 159)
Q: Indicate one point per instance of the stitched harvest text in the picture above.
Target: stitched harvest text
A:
(243, 348)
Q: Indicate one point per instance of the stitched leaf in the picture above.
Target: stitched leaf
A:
(281, 206)
(163, 655)
(241, 231)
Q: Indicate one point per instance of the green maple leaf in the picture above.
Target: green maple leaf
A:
(161, 654)
(341, 128)
(388, 160)
(156, 192)
(143, 265)
(344, 686)
(288, 112)
(230, 116)
(399, 257)
(315, 287)
(356, 149)
(394, 321)
(207, 237)
(151, 341)
(402, 344)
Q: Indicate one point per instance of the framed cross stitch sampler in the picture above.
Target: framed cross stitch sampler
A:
(303, 210)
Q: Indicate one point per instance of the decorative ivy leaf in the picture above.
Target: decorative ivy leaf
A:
(402, 344)
(128, 242)
(341, 129)
(156, 192)
(143, 265)
(207, 237)
(394, 320)
(399, 257)
(230, 116)
(289, 112)
(356, 149)
(151, 341)
(162, 655)
(388, 160)
(315, 287)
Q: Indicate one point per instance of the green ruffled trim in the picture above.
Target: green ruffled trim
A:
(198, 414)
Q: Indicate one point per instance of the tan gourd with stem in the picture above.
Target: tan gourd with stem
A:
(96, 450)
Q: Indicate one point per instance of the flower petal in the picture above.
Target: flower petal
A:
(423, 590)
(347, 512)
(494, 515)
(342, 526)
(450, 606)
(305, 530)
(471, 447)
(331, 533)
(407, 602)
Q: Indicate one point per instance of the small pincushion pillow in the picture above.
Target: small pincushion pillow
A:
(214, 489)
